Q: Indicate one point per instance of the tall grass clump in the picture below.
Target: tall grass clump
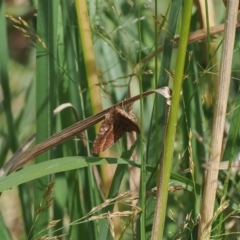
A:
(172, 66)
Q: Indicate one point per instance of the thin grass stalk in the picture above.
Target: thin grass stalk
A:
(143, 162)
(218, 122)
(208, 30)
(160, 108)
(156, 70)
(157, 133)
(156, 46)
(163, 179)
(156, 138)
(211, 47)
(88, 53)
(91, 73)
(194, 111)
(157, 127)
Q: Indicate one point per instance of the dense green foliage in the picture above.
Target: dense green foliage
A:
(130, 48)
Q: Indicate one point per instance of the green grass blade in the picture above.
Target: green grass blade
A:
(45, 94)
(54, 166)
(23, 191)
(5, 81)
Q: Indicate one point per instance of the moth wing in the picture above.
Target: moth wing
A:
(105, 137)
(131, 126)
(124, 121)
(116, 123)
(118, 130)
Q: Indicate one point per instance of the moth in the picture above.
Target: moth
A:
(115, 124)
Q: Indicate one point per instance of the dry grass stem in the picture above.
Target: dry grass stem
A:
(218, 121)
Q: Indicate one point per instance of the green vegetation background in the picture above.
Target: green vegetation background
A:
(55, 66)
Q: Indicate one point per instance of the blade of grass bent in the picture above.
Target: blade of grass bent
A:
(74, 130)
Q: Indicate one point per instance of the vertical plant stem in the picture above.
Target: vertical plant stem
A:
(143, 163)
(88, 54)
(218, 121)
(164, 175)
(92, 78)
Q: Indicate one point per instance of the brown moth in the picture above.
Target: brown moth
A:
(115, 124)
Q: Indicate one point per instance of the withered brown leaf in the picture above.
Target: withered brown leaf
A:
(115, 124)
